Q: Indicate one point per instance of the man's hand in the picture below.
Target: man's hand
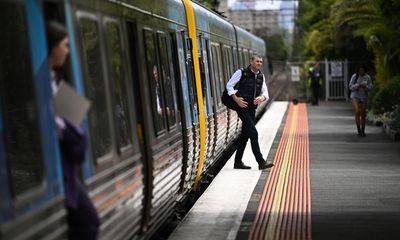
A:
(240, 101)
(259, 100)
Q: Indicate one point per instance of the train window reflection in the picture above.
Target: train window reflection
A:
(17, 98)
(167, 79)
(120, 96)
(216, 68)
(95, 89)
(208, 72)
(153, 73)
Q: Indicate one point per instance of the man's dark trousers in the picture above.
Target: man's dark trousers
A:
(248, 115)
(315, 93)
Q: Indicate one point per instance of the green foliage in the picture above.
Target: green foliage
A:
(395, 118)
(377, 22)
(276, 47)
(324, 38)
(387, 97)
(359, 30)
(212, 4)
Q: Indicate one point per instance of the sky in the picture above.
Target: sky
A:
(286, 8)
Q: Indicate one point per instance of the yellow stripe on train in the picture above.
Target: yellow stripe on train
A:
(191, 22)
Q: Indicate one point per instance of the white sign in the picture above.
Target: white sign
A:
(336, 69)
(295, 73)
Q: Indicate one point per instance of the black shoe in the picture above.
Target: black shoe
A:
(241, 166)
(265, 165)
(363, 134)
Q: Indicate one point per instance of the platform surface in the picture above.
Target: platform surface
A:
(217, 214)
(354, 182)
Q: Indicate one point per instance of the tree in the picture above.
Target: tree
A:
(212, 4)
(277, 50)
(377, 22)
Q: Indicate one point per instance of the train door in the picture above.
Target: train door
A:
(220, 113)
(30, 177)
(155, 88)
(117, 162)
(207, 98)
(184, 104)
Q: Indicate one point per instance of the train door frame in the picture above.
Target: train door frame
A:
(153, 142)
(135, 41)
(181, 73)
(51, 186)
(206, 84)
(193, 124)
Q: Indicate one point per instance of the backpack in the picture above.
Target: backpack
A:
(228, 100)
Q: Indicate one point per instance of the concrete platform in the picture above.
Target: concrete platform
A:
(219, 211)
(355, 182)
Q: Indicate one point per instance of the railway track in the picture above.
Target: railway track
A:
(278, 85)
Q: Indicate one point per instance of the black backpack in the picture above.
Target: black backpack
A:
(228, 100)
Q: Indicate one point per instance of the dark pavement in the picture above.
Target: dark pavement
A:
(355, 181)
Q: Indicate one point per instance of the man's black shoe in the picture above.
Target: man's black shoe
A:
(241, 166)
(265, 165)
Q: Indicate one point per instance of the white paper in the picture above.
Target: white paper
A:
(70, 105)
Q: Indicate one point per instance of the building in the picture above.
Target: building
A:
(255, 16)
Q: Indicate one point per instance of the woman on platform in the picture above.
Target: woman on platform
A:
(360, 84)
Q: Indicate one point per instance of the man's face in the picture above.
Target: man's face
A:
(256, 63)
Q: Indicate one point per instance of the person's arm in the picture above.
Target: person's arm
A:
(264, 90)
(233, 81)
(353, 86)
(263, 94)
(73, 143)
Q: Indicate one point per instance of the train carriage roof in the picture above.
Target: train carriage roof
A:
(213, 24)
(248, 40)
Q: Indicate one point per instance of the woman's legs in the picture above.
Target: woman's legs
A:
(363, 113)
(356, 106)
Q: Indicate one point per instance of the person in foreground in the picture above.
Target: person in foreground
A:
(248, 89)
(82, 218)
(360, 84)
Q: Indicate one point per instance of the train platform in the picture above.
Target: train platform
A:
(327, 183)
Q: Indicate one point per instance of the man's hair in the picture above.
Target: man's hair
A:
(255, 55)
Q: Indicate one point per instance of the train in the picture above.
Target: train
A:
(154, 72)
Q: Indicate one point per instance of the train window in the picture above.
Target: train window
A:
(227, 62)
(121, 112)
(235, 59)
(183, 77)
(174, 66)
(207, 60)
(246, 59)
(153, 73)
(203, 75)
(215, 72)
(250, 54)
(240, 58)
(191, 81)
(232, 61)
(167, 79)
(95, 89)
(220, 69)
(21, 127)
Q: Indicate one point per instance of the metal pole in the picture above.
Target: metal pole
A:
(327, 77)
